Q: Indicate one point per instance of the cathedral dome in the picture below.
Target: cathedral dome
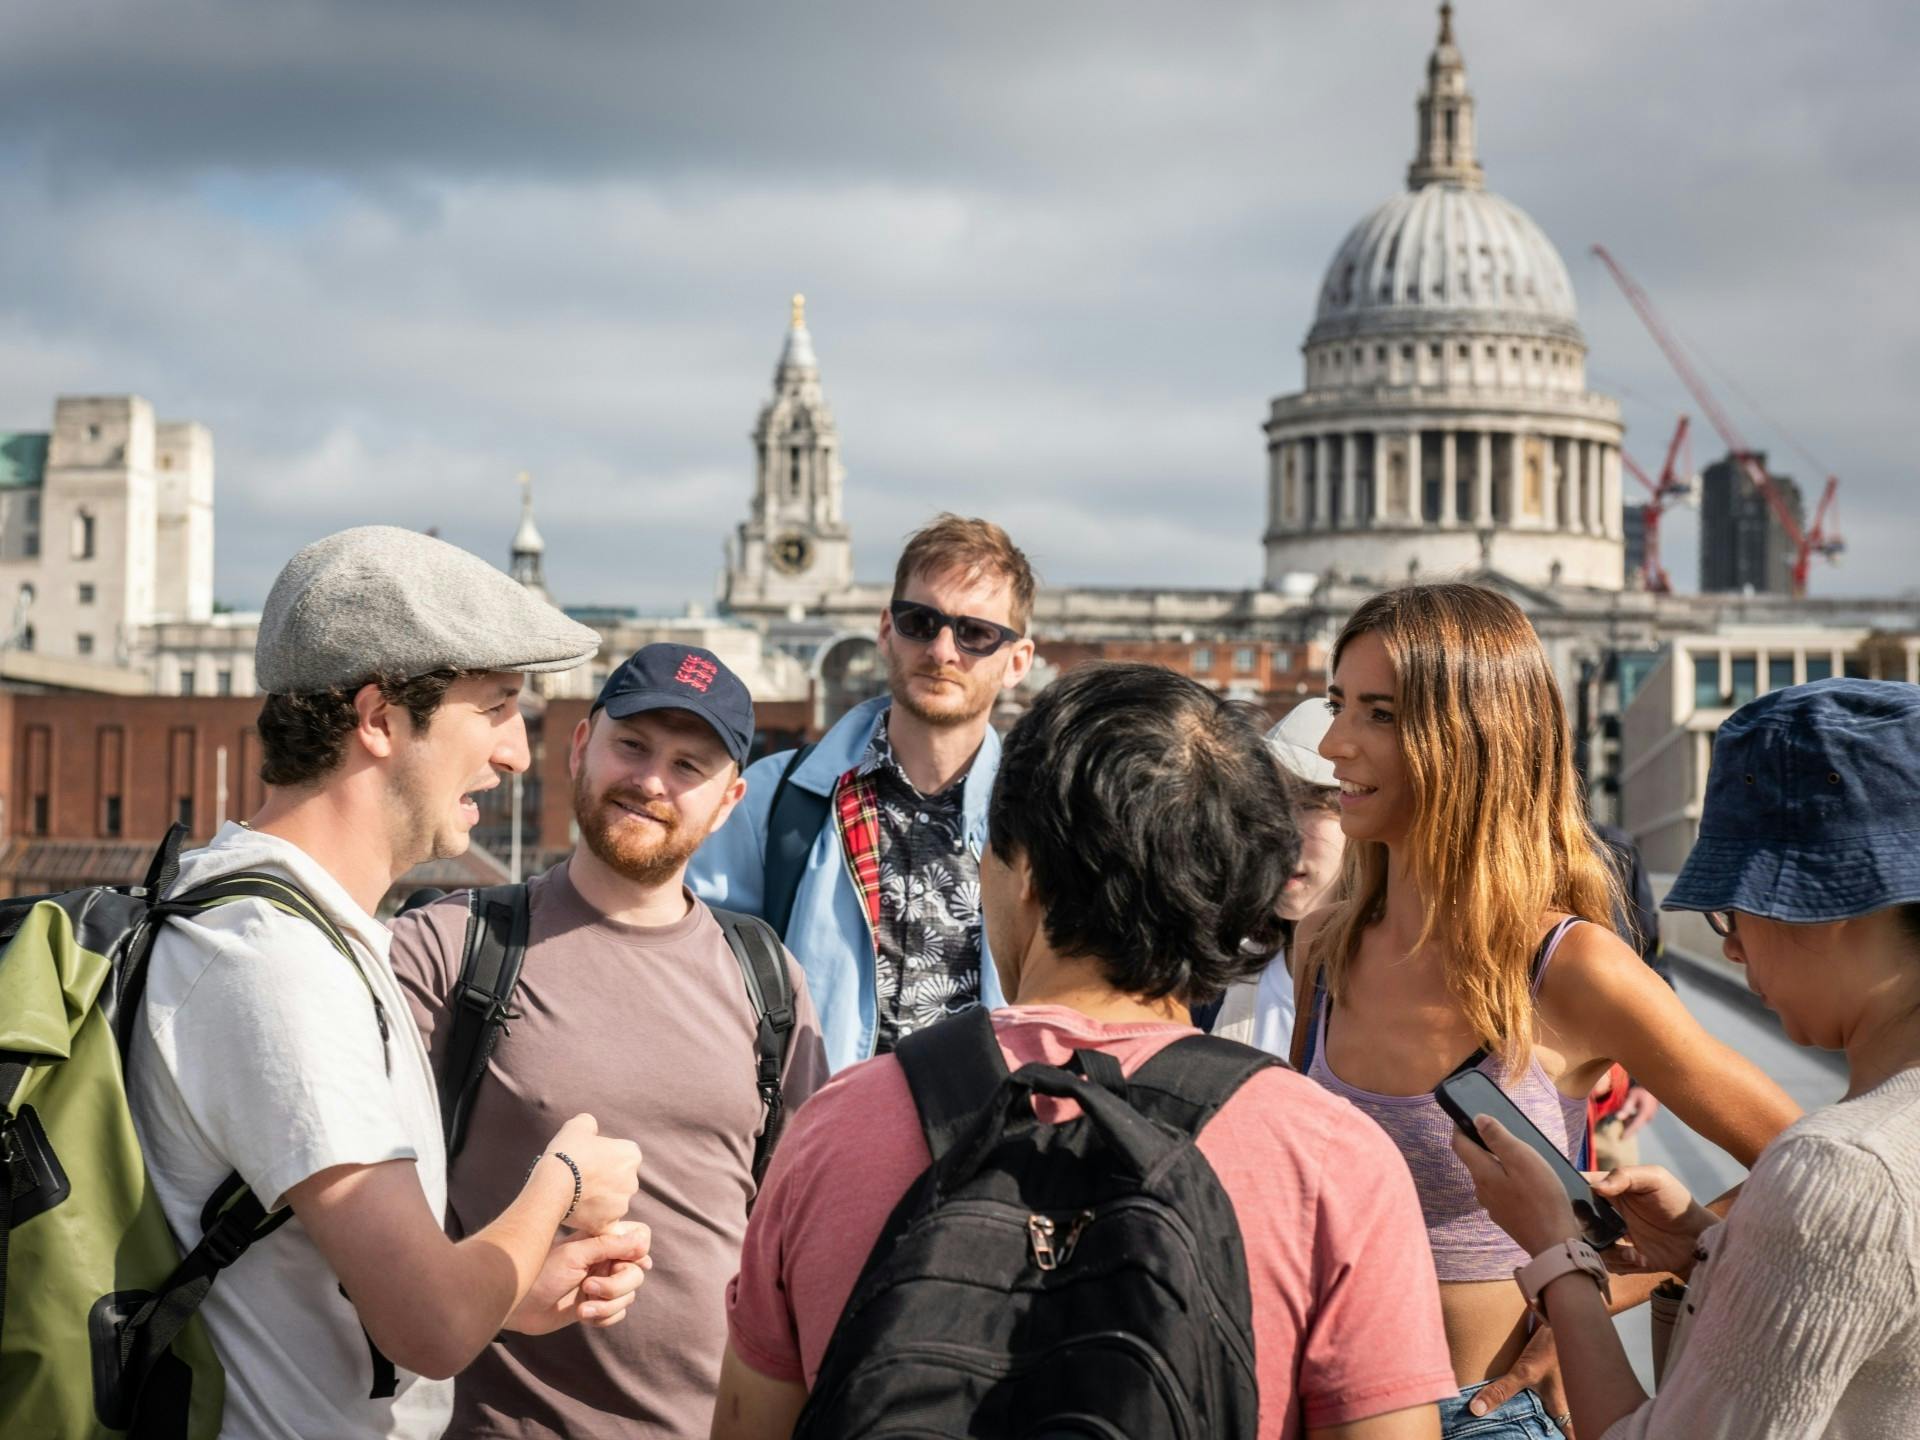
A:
(1443, 251)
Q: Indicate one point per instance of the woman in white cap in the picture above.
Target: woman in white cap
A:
(1260, 1011)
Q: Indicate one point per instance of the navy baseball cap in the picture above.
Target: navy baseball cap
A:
(1813, 806)
(683, 677)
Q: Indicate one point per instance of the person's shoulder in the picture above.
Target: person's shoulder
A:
(1854, 1148)
(1589, 954)
(865, 1106)
(1279, 1109)
(425, 936)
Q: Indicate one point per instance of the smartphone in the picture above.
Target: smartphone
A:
(1471, 1093)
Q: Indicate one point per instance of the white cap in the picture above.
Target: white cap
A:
(1296, 741)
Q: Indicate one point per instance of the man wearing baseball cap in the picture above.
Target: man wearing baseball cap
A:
(1260, 1011)
(273, 1044)
(631, 1002)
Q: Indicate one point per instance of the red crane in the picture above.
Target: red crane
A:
(1671, 486)
(1806, 543)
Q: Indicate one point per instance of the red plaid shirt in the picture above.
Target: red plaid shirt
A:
(856, 802)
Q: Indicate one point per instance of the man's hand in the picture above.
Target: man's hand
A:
(609, 1173)
(1536, 1368)
(1664, 1223)
(1636, 1112)
(590, 1280)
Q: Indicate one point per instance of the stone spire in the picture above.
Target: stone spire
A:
(529, 550)
(798, 353)
(1445, 155)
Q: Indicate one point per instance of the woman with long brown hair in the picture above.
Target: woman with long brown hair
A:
(1473, 924)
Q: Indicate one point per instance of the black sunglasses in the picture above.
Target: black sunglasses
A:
(922, 624)
(1722, 921)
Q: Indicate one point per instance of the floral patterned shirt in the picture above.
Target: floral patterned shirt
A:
(927, 936)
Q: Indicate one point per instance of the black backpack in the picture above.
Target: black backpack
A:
(1042, 1281)
(496, 945)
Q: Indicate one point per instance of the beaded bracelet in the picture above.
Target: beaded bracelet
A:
(566, 1160)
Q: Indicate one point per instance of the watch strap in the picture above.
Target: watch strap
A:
(1562, 1259)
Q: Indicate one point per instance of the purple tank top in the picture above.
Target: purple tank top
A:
(1467, 1245)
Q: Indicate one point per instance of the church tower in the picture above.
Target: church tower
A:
(527, 562)
(793, 549)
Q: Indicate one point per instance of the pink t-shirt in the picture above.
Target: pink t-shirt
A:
(1346, 1310)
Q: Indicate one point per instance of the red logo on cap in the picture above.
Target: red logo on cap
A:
(696, 672)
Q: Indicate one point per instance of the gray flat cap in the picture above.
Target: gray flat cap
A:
(377, 600)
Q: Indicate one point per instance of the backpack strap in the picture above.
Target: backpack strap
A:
(793, 824)
(498, 917)
(763, 966)
(1187, 1082)
(233, 1218)
(286, 896)
(16, 1171)
(954, 1069)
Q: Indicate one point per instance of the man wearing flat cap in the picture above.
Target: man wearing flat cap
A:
(273, 1042)
(632, 1002)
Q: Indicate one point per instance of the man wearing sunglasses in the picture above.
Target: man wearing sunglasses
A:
(863, 849)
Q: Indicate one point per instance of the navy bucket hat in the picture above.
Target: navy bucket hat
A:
(1813, 806)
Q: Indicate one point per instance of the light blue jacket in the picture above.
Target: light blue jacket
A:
(828, 933)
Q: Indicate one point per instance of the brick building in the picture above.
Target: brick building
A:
(89, 784)
(1275, 675)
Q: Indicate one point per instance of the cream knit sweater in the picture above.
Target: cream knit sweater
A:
(1804, 1320)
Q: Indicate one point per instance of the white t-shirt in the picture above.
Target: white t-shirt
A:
(258, 1051)
(1273, 1008)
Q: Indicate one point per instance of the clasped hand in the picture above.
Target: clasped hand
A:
(1524, 1197)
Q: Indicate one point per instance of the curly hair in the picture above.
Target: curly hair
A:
(303, 738)
(1156, 825)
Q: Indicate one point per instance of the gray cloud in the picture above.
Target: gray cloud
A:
(1059, 256)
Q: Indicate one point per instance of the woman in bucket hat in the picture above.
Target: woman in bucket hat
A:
(1802, 1315)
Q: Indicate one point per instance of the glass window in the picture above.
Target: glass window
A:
(111, 823)
(1855, 667)
(183, 811)
(1634, 670)
(1746, 678)
(86, 594)
(1202, 659)
(84, 644)
(1819, 667)
(1779, 672)
(1706, 681)
(186, 682)
(223, 682)
(1243, 659)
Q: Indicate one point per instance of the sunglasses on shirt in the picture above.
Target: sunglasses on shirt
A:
(922, 625)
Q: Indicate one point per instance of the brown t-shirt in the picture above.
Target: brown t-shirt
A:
(647, 1028)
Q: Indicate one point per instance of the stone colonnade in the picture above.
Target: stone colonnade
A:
(1448, 477)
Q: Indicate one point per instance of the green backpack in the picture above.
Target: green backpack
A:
(98, 1335)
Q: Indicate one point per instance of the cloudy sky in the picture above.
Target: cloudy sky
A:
(1058, 257)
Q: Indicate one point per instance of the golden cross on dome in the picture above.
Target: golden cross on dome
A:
(799, 312)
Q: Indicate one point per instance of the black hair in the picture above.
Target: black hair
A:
(1156, 825)
(304, 737)
(1910, 921)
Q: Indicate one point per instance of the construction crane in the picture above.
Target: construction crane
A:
(1815, 539)
(1672, 485)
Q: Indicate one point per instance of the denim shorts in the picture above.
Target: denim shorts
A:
(1521, 1418)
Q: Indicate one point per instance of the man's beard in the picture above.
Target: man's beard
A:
(630, 848)
(949, 708)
